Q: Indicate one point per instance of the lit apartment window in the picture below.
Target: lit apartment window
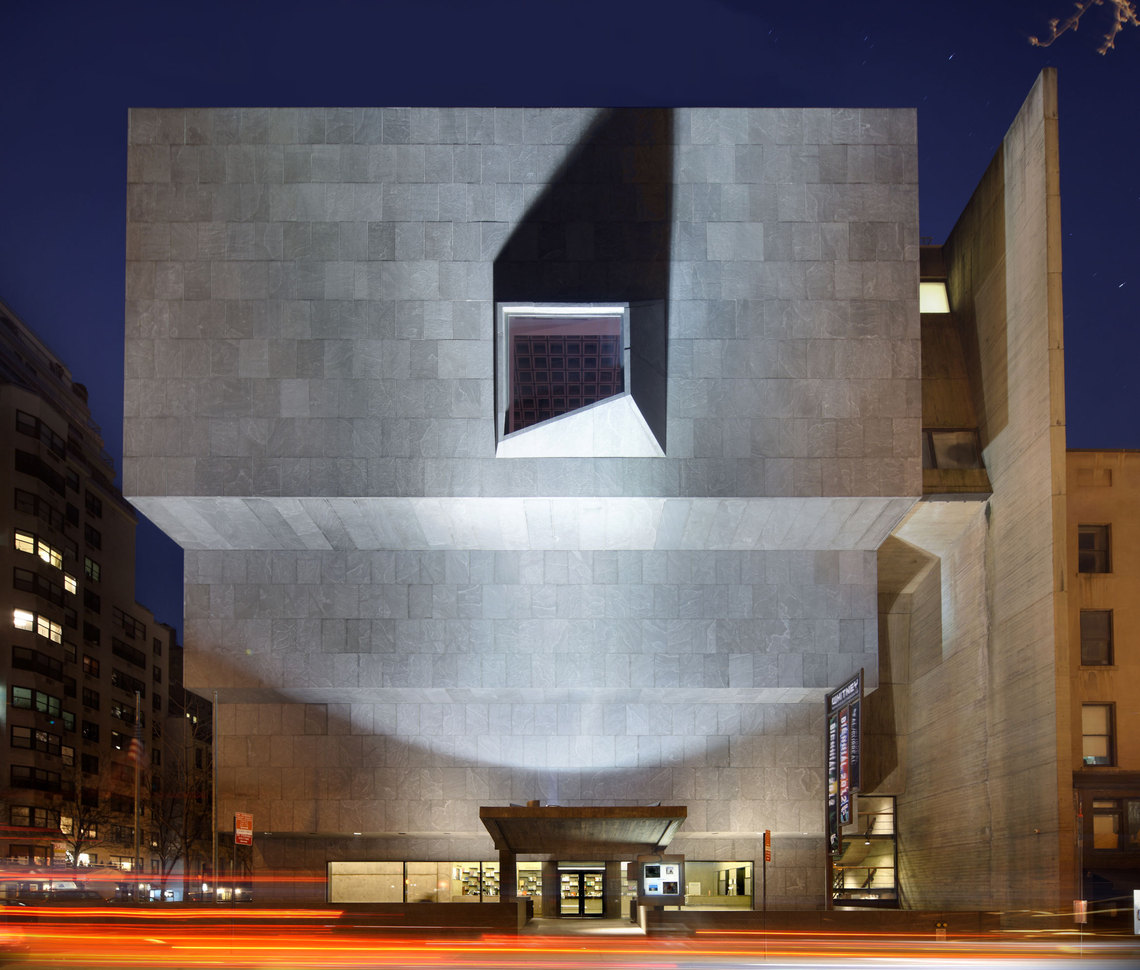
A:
(1096, 638)
(1096, 731)
(27, 542)
(69, 583)
(23, 620)
(1093, 549)
(90, 665)
(46, 628)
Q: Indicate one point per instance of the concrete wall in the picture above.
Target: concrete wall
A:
(309, 411)
(980, 819)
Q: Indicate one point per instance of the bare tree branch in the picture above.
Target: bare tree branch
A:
(1123, 14)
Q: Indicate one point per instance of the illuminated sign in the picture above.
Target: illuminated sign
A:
(844, 749)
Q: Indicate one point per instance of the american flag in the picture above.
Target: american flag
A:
(136, 750)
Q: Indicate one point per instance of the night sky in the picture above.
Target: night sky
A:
(71, 70)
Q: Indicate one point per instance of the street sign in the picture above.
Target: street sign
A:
(243, 828)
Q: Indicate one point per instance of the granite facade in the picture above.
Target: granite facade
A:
(396, 635)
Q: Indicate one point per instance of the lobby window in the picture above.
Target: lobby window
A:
(555, 359)
(1096, 638)
(1093, 549)
(1097, 734)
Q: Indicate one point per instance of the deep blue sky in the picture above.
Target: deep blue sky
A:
(71, 70)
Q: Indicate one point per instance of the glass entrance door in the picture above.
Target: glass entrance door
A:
(582, 892)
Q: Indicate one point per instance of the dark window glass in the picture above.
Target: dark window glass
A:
(1093, 549)
(1096, 638)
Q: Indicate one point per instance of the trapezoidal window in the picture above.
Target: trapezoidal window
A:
(560, 359)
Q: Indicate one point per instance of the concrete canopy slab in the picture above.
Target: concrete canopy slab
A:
(602, 831)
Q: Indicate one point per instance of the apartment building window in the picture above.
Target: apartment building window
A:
(41, 625)
(91, 698)
(93, 537)
(1093, 549)
(25, 776)
(128, 653)
(28, 816)
(132, 628)
(1116, 823)
(91, 633)
(126, 713)
(1097, 734)
(90, 665)
(67, 755)
(157, 647)
(1096, 638)
(32, 426)
(94, 504)
(89, 764)
(125, 682)
(92, 601)
(30, 543)
(24, 658)
(91, 569)
(29, 699)
(28, 582)
(31, 739)
(90, 731)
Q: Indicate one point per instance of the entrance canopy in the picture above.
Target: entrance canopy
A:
(584, 831)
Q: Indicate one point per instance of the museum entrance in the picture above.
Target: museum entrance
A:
(582, 888)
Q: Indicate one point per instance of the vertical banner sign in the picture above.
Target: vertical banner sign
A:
(845, 766)
(243, 828)
(767, 845)
(833, 784)
(844, 751)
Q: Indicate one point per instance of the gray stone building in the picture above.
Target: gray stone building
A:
(424, 579)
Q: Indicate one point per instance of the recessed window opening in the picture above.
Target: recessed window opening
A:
(956, 448)
(559, 358)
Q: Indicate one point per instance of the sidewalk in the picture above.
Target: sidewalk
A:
(580, 926)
